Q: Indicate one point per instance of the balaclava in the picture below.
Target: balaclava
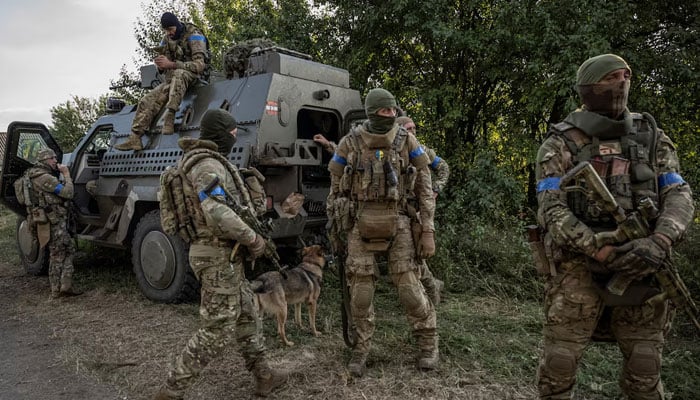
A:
(169, 19)
(216, 126)
(377, 99)
(608, 99)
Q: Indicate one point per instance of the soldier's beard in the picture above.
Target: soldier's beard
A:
(608, 99)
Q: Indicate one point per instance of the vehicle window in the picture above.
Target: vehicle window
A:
(29, 146)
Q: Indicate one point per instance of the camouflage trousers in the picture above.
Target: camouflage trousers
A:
(403, 268)
(573, 309)
(227, 313)
(61, 252)
(168, 94)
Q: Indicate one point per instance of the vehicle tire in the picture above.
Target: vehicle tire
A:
(160, 263)
(34, 260)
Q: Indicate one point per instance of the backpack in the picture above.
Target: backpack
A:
(180, 210)
(23, 190)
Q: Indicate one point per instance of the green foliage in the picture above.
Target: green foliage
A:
(70, 120)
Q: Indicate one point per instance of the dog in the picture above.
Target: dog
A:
(302, 285)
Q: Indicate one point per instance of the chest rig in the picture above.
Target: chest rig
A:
(627, 164)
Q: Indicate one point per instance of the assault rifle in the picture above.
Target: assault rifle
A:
(632, 225)
(264, 229)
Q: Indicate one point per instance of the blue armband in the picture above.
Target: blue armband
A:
(340, 160)
(670, 178)
(217, 191)
(551, 183)
(58, 189)
(435, 162)
(417, 152)
(200, 38)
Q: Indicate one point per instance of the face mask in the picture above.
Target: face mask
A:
(608, 99)
(380, 124)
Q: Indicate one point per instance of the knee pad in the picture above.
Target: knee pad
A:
(644, 360)
(361, 294)
(560, 361)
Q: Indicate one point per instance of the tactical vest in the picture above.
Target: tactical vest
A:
(626, 164)
(181, 212)
(379, 174)
(180, 50)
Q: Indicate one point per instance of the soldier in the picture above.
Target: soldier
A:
(48, 210)
(184, 59)
(227, 310)
(639, 166)
(441, 173)
(373, 170)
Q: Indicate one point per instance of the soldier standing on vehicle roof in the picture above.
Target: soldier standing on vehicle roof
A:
(184, 59)
(640, 168)
(372, 170)
(227, 307)
(49, 213)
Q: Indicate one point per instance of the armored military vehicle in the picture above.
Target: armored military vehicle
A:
(281, 100)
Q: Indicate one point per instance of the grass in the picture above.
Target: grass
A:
(490, 344)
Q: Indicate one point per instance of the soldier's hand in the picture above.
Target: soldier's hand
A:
(162, 62)
(426, 244)
(641, 257)
(63, 169)
(257, 247)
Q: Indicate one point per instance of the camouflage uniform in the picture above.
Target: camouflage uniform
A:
(441, 173)
(51, 196)
(189, 53)
(363, 203)
(577, 307)
(227, 308)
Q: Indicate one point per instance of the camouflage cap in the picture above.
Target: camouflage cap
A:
(595, 68)
(377, 99)
(403, 120)
(45, 154)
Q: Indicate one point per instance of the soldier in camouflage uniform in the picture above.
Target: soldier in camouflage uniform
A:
(227, 310)
(373, 171)
(184, 59)
(441, 173)
(48, 213)
(639, 166)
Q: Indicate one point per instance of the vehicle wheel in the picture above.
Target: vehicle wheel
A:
(34, 260)
(160, 263)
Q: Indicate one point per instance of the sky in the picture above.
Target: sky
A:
(54, 49)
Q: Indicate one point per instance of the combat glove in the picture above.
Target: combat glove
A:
(426, 244)
(257, 247)
(641, 257)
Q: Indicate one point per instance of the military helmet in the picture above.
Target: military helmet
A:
(45, 154)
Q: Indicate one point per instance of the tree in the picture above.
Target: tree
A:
(72, 119)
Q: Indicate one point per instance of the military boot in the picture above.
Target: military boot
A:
(67, 288)
(167, 394)
(168, 123)
(428, 354)
(133, 142)
(268, 379)
(357, 364)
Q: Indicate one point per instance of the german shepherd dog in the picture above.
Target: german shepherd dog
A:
(302, 285)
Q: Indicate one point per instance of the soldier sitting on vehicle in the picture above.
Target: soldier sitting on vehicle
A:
(184, 55)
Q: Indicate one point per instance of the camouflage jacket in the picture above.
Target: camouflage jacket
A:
(555, 158)
(360, 146)
(48, 190)
(220, 218)
(190, 52)
(440, 168)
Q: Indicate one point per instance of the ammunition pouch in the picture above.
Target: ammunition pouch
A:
(377, 224)
(38, 216)
(257, 194)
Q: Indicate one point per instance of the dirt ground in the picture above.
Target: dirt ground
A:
(112, 343)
